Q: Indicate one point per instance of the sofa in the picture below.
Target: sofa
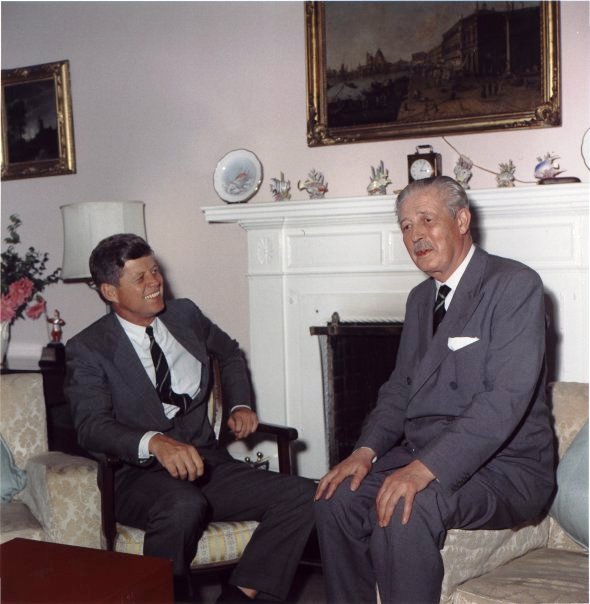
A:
(540, 562)
(60, 502)
(46, 495)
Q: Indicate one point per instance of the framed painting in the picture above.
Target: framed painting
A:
(389, 70)
(37, 124)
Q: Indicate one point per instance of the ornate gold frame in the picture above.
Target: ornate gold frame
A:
(65, 161)
(320, 132)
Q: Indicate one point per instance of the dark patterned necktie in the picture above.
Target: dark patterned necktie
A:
(439, 306)
(163, 379)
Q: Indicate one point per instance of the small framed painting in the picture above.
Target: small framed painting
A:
(37, 123)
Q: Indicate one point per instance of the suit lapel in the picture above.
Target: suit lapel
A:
(130, 368)
(466, 299)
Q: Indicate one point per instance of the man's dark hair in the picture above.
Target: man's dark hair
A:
(109, 256)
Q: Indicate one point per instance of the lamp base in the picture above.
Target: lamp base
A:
(53, 354)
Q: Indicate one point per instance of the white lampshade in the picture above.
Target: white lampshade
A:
(86, 224)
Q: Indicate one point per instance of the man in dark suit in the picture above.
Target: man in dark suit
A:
(151, 412)
(460, 436)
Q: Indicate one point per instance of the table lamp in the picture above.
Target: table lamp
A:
(85, 225)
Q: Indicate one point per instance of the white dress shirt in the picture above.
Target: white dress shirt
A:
(185, 369)
(453, 280)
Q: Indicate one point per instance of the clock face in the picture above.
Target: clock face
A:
(421, 168)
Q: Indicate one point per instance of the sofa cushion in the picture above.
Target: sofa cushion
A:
(570, 508)
(544, 575)
(12, 478)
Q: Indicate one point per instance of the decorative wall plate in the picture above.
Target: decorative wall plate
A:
(586, 148)
(237, 176)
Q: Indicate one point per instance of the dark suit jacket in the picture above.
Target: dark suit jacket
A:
(113, 400)
(480, 409)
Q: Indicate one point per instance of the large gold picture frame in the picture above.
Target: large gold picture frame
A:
(37, 123)
(393, 70)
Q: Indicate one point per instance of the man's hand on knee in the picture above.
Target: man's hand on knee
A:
(358, 464)
(181, 460)
(403, 483)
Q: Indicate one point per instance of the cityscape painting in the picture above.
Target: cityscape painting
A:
(386, 70)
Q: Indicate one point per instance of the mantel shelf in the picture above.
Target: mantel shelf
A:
(544, 199)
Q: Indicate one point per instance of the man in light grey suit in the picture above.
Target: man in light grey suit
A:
(460, 436)
(138, 382)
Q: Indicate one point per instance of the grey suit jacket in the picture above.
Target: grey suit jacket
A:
(112, 399)
(480, 409)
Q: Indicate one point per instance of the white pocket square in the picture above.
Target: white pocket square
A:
(458, 343)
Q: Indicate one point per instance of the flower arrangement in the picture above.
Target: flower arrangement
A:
(22, 278)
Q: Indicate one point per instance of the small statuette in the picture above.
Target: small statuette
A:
(462, 171)
(56, 326)
(547, 167)
(280, 188)
(506, 176)
(379, 180)
(314, 185)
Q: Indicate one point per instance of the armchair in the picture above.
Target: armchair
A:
(222, 543)
(60, 500)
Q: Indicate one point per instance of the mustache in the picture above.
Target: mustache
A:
(422, 246)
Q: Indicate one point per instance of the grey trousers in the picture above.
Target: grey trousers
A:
(173, 513)
(403, 560)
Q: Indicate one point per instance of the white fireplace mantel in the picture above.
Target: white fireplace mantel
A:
(308, 259)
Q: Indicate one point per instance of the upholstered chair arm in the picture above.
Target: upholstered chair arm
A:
(62, 494)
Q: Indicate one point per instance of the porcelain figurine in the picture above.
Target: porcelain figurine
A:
(463, 171)
(314, 185)
(547, 167)
(280, 188)
(379, 180)
(506, 176)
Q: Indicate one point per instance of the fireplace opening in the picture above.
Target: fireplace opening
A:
(357, 357)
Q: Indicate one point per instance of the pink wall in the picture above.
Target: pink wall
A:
(161, 91)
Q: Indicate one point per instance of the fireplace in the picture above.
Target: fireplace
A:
(356, 358)
(307, 259)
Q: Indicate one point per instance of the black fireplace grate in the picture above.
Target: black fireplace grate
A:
(357, 358)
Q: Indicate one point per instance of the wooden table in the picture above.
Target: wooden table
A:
(52, 573)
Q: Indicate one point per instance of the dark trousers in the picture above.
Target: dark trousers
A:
(173, 513)
(404, 561)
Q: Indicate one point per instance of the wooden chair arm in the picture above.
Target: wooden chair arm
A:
(106, 484)
(284, 435)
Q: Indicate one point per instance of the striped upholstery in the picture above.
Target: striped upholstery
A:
(221, 543)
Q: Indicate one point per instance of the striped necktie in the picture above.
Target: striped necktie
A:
(163, 379)
(439, 306)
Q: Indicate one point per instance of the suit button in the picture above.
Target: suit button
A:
(409, 381)
(453, 385)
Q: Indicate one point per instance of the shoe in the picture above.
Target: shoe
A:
(183, 590)
(230, 594)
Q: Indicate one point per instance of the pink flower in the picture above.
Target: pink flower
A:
(7, 309)
(37, 309)
(20, 291)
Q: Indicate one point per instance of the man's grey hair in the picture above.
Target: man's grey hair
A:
(449, 189)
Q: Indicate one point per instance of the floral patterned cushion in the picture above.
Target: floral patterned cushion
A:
(545, 575)
(63, 495)
(469, 554)
(23, 420)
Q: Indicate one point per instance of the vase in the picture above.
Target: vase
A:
(4, 339)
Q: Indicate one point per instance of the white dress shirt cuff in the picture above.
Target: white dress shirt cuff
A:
(143, 449)
(238, 407)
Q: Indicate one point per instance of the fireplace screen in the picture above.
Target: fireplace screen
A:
(357, 358)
